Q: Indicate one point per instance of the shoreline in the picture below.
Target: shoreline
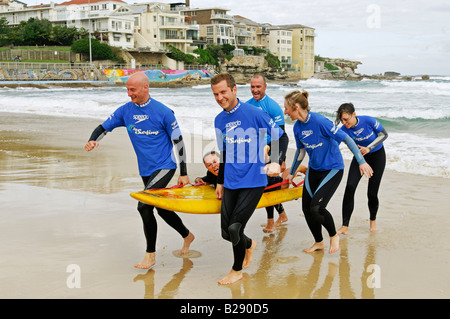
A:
(183, 83)
(63, 206)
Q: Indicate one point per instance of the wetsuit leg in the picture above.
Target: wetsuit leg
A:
(159, 179)
(348, 202)
(322, 186)
(271, 180)
(377, 161)
(238, 206)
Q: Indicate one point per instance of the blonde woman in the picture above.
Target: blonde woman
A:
(320, 138)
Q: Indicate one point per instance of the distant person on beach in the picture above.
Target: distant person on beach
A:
(369, 135)
(261, 100)
(241, 131)
(320, 138)
(153, 130)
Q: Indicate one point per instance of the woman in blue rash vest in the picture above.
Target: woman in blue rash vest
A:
(369, 135)
(320, 138)
(153, 130)
(241, 131)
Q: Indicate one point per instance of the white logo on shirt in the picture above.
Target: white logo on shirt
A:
(305, 134)
(232, 125)
(140, 117)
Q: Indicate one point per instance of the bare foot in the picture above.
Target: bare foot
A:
(282, 218)
(146, 263)
(334, 244)
(373, 226)
(187, 243)
(232, 277)
(270, 227)
(343, 230)
(313, 248)
(248, 255)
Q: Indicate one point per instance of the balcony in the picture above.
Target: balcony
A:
(216, 16)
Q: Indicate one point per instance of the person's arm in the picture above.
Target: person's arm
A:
(298, 158)
(382, 136)
(364, 168)
(181, 153)
(221, 175)
(96, 136)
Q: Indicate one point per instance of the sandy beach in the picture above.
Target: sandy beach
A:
(64, 209)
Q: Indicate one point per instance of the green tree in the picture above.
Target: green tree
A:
(37, 31)
(204, 57)
(63, 35)
(4, 32)
(273, 60)
(179, 55)
(100, 51)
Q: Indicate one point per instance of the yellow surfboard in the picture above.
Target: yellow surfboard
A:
(202, 199)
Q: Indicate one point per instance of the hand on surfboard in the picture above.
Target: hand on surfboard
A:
(183, 180)
(272, 169)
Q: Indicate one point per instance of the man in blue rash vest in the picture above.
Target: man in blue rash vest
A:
(369, 135)
(241, 131)
(261, 100)
(320, 138)
(153, 130)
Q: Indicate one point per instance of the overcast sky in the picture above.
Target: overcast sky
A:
(410, 37)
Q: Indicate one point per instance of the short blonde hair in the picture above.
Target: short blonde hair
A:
(297, 96)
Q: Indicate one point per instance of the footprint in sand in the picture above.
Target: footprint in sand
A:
(190, 254)
(287, 260)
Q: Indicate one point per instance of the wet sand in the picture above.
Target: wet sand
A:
(66, 212)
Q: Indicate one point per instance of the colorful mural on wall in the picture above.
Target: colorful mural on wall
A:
(122, 75)
(43, 74)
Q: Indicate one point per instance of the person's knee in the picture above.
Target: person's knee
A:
(144, 209)
(315, 212)
(234, 231)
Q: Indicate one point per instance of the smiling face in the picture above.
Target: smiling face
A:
(296, 112)
(348, 119)
(258, 87)
(224, 95)
(212, 163)
(137, 88)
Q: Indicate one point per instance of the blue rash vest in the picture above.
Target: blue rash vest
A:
(365, 131)
(241, 132)
(269, 106)
(151, 127)
(321, 139)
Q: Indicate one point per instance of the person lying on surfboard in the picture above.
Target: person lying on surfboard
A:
(211, 160)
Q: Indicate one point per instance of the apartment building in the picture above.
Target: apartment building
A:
(111, 21)
(157, 26)
(215, 25)
(294, 46)
(302, 49)
(246, 32)
(151, 25)
(280, 45)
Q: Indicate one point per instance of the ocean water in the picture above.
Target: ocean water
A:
(416, 114)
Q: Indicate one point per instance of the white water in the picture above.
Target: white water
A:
(415, 113)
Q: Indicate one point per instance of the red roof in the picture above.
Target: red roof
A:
(68, 3)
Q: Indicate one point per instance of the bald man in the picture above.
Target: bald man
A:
(153, 130)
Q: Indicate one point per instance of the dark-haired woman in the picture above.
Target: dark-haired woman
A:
(369, 135)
